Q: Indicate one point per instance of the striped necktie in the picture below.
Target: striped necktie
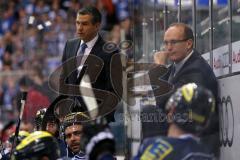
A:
(81, 53)
(173, 70)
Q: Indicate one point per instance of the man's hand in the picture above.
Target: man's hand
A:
(160, 57)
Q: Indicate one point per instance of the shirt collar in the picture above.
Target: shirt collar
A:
(91, 43)
(179, 65)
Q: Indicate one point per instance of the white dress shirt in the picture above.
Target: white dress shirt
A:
(179, 65)
(87, 51)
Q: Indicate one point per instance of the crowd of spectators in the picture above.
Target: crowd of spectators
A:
(32, 37)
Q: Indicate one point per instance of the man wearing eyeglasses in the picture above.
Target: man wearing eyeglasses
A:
(187, 65)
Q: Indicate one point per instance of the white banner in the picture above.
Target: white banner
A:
(221, 61)
(236, 56)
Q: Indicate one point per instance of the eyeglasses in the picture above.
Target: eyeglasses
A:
(173, 42)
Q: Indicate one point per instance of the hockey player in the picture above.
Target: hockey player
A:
(189, 112)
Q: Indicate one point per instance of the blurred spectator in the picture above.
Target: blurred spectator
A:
(26, 126)
(36, 74)
(115, 35)
(57, 11)
(37, 94)
(1, 94)
(123, 15)
(7, 20)
(7, 130)
(41, 7)
(1, 50)
(9, 92)
(31, 40)
(7, 62)
(107, 9)
(8, 42)
(122, 10)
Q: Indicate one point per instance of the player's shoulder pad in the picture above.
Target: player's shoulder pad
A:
(158, 149)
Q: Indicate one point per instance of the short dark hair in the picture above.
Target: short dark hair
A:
(188, 33)
(91, 10)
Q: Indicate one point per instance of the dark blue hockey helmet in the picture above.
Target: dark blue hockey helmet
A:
(192, 107)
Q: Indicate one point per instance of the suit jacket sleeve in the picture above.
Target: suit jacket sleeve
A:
(63, 75)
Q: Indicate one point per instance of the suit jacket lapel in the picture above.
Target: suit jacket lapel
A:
(76, 46)
(189, 61)
(95, 51)
(75, 49)
(171, 77)
(191, 58)
(97, 46)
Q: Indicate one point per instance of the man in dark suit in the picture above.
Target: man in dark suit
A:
(187, 66)
(85, 55)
